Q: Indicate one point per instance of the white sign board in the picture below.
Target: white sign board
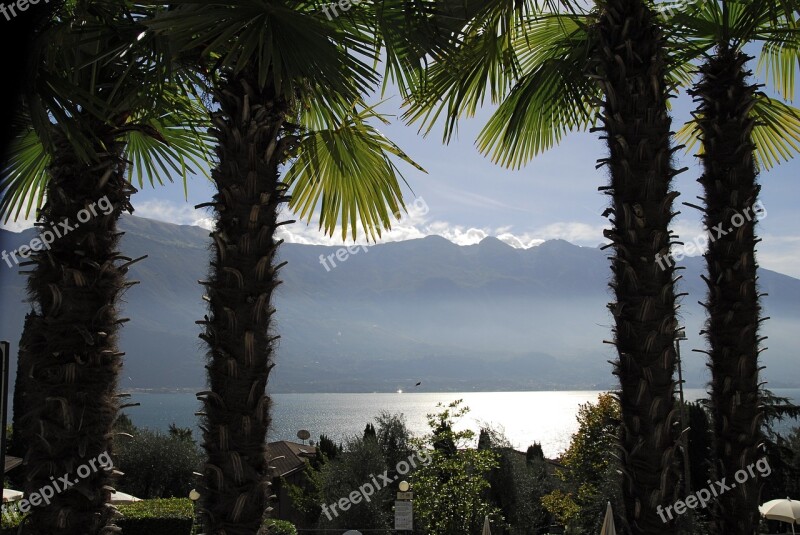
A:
(403, 515)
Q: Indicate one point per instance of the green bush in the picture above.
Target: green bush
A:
(170, 516)
(280, 527)
(157, 465)
(11, 518)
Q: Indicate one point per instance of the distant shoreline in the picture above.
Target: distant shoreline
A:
(598, 388)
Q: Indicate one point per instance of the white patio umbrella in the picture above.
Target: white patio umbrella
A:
(486, 530)
(608, 522)
(10, 495)
(118, 497)
(787, 510)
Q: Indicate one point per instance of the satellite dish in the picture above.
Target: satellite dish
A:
(303, 435)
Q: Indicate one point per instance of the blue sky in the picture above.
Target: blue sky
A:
(465, 197)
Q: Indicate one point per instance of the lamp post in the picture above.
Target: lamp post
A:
(5, 349)
(194, 496)
(404, 508)
(680, 335)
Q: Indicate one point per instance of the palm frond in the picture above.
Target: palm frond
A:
(347, 172)
(483, 66)
(780, 60)
(777, 131)
(284, 42)
(553, 96)
(162, 149)
(24, 178)
(776, 134)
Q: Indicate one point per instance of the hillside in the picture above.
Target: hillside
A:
(481, 317)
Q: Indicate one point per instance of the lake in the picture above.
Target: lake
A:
(524, 417)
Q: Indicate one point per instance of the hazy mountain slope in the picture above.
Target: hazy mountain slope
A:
(480, 317)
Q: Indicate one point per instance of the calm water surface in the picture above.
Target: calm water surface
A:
(524, 417)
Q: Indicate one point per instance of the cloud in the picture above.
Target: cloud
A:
(19, 225)
(416, 223)
(179, 214)
(775, 252)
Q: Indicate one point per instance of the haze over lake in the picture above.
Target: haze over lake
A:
(525, 417)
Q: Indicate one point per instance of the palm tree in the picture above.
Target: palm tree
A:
(615, 61)
(728, 126)
(542, 72)
(95, 104)
(288, 119)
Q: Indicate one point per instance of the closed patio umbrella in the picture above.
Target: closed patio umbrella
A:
(118, 497)
(608, 522)
(486, 530)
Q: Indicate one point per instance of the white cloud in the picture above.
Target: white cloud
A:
(19, 225)
(779, 253)
(415, 224)
(574, 232)
(180, 214)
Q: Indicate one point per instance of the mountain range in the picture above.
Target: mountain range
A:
(385, 317)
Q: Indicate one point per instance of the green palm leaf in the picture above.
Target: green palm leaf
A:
(157, 148)
(553, 97)
(780, 60)
(264, 35)
(776, 133)
(702, 25)
(163, 148)
(482, 66)
(347, 172)
(151, 104)
(24, 178)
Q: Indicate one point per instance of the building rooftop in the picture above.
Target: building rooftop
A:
(288, 457)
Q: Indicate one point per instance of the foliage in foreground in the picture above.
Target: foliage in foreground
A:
(450, 492)
(157, 465)
(588, 477)
(383, 445)
(280, 527)
(171, 516)
(518, 484)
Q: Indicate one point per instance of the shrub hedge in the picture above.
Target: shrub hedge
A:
(168, 516)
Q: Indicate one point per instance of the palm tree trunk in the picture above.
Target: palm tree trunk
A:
(731, 193)
(252, 135)
(71, 341)
(17, 446)
(631, 69)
